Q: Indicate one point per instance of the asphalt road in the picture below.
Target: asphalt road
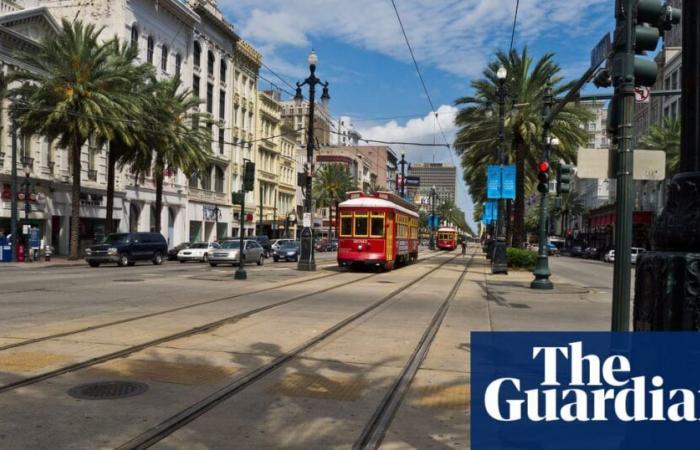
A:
(595, 275)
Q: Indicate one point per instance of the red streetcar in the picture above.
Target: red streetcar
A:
(447, 238)
(379, 230)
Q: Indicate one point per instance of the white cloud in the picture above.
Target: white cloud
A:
(457, 36)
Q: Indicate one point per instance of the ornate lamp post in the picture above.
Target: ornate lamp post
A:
(499, 259)
(403, 173)
(431, 245)
(13, 221)
(306, 259)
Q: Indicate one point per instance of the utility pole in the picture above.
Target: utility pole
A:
(13, 181)
(431, 244)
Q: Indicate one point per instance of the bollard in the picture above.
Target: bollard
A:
(47, 253)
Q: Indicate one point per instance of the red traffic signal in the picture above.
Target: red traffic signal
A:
(543, 166)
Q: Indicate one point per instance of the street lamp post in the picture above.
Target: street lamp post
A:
(216, 212)
(306, 259)
(240, 272)
(432, 215)
(27, 207)
(403, 174)
(542, 272)
(13, 188)
(499, 258)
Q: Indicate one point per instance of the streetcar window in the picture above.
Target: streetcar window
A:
(377, 229)
(345, 225)
(361, 225)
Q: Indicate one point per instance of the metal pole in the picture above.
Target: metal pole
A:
(240, 272)
(403, 175)
(274, 217)
(261, 210)
(624, 93)
(432, 228)
(307, 261)
(499, 257)
(542, 272)
(27, 210)
(14, 213)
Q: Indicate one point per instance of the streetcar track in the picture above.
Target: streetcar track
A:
(186, 416)
(171, 310)
(375, 430)
(182, 334)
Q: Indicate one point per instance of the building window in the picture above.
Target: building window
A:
(149, 50)
(222, 105)
(210, 63)
(218, 179)
(164, 58)
(221, 141)
(194, 181)
(674, 80)
(134, 35)
(178, 64)
(222, 71)
(210, 98)
(206, 180)
(195, 85)
(197, 54)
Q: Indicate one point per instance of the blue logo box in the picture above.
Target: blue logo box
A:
(587, 390)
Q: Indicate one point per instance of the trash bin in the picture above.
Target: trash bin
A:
(20, 253)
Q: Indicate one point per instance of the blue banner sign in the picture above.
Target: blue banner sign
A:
(490, 213)
(508, 182)
(433, 222)
(493, 182)
(584, 390)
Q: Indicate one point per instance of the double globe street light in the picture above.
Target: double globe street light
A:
(306, 259)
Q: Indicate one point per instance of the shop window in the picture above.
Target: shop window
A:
(346, 225)
(360, 225)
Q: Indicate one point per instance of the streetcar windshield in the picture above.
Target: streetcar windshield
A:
(378, 226)
(360, 225)
(345, 225)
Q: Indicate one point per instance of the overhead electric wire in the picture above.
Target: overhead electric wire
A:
(515, 21)
(280, 88)
(275, 74)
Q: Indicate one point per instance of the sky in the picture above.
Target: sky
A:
(363, 55)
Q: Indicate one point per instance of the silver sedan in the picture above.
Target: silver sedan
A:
(228, 253)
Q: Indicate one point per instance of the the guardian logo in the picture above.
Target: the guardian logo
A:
(594, 389)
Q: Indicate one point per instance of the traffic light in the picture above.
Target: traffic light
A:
(543, 177)
(649, 20)
(249, 176)
(602, 78)
(237, 198)
(564, 178)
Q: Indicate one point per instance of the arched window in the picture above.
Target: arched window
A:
(194, 181)
(197, 54)
(210, 63)
(134, 35)
(218, 179)
(178, 64)
(149, 50)
(164, 58)
(206, 180)
(222, 71)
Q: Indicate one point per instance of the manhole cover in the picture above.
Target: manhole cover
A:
(108, 390)
(129, 280)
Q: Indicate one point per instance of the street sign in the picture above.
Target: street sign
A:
(642, 94)
(508, 182)
(306, 222)
(601, 51)
(648, 164)
(493, 182)
(412, 181)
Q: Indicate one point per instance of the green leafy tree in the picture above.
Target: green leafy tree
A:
(477, 138)
(331, 185)
(571, 205)
(665, 136)
(77, 90)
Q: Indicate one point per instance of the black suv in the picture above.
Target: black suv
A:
(265, 243)
(127, 248)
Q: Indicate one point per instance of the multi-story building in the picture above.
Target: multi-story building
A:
(288, 184)
(268, 162)
(344, 132)
(442, 176)
(245, 100)
(298, 118)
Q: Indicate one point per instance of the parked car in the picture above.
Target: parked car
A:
(125, 249)
(324, 245)
(199, 251)
(609, 256)
(576, 251)
(551, 249)
(172, 253)
(636, 251)
(277, 243)
(265, 243)
(229, 250)
(590, 253)
(288, 251)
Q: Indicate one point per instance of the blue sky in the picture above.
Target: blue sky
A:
(363, 55)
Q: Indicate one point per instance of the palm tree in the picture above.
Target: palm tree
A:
(173, 139)
(332, 183)
(477, 139)
(665, 136)
(77, 90)
(571, 205)
(124, 147)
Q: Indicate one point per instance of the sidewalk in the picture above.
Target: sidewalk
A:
(514, 306)
(56, 261)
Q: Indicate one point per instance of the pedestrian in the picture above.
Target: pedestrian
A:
(464, 247)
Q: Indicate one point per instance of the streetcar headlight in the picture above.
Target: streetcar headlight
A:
(359, 248)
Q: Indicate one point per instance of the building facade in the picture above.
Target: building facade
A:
(442, 176)
(297, 117)
(344, 132)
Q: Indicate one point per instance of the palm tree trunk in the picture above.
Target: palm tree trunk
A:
(519, 206)
(75, 197)
(159, 198)
(109, 215)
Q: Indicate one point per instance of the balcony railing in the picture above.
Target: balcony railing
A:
(268, 175)
(92, 175)
(201, 195)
